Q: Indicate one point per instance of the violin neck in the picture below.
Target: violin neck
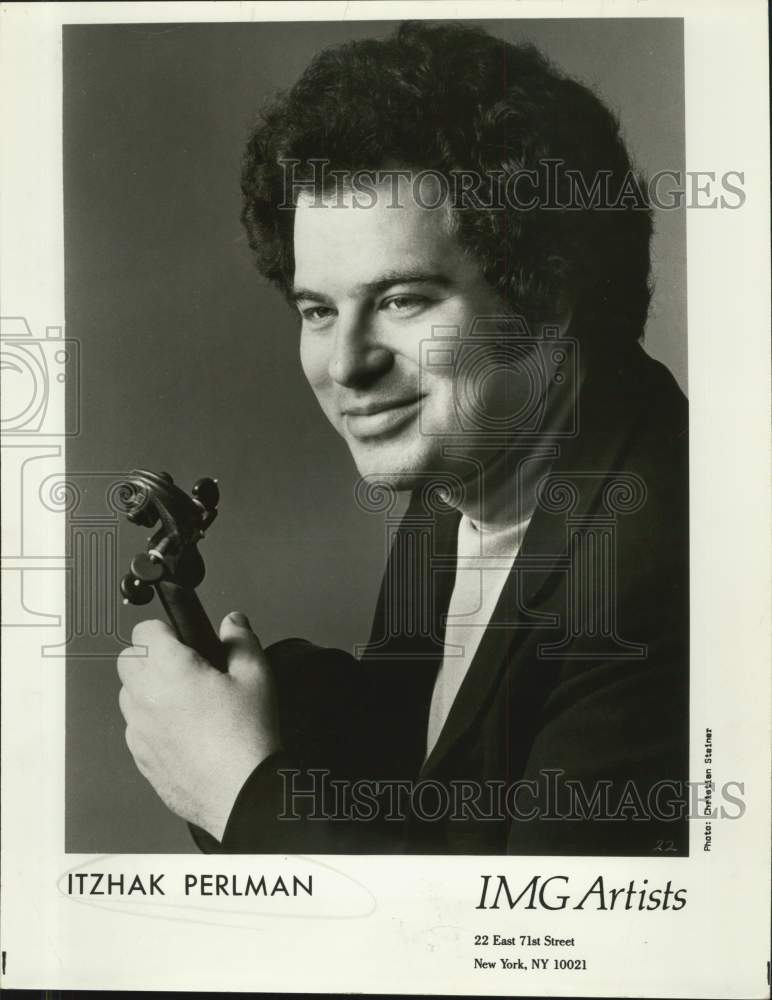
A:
(190, 621)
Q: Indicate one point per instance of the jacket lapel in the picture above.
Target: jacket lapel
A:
(607, 418)
(407, 638)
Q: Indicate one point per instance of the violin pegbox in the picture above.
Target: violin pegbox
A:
(151, 499)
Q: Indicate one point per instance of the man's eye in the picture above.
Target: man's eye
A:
(404, 303)
(317, 314)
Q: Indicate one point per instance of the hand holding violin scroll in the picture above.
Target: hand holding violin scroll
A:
(196, 733)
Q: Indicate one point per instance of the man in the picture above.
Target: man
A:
(460, 230)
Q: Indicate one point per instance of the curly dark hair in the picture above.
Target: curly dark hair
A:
(453, 98)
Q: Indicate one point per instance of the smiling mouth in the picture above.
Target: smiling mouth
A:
(379, 419)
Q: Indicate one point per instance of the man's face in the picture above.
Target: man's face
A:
(370, 284)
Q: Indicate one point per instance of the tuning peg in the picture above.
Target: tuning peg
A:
(146, 569)
(207, 492)
(135, 591)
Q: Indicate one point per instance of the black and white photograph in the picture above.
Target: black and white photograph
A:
(455, 244)
(384, 524)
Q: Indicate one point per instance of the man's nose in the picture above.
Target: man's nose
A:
(357, 358)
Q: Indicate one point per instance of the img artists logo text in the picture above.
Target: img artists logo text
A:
(555, 892)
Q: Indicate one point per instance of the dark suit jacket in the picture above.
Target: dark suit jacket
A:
(574, 711)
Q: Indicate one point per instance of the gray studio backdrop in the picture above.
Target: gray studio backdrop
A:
(189, 361)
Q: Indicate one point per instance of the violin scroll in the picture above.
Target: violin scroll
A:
(172, 566)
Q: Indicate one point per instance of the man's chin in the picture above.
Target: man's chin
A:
(398, 481)
(397, 472)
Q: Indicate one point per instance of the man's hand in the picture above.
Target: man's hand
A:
(197, 734)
